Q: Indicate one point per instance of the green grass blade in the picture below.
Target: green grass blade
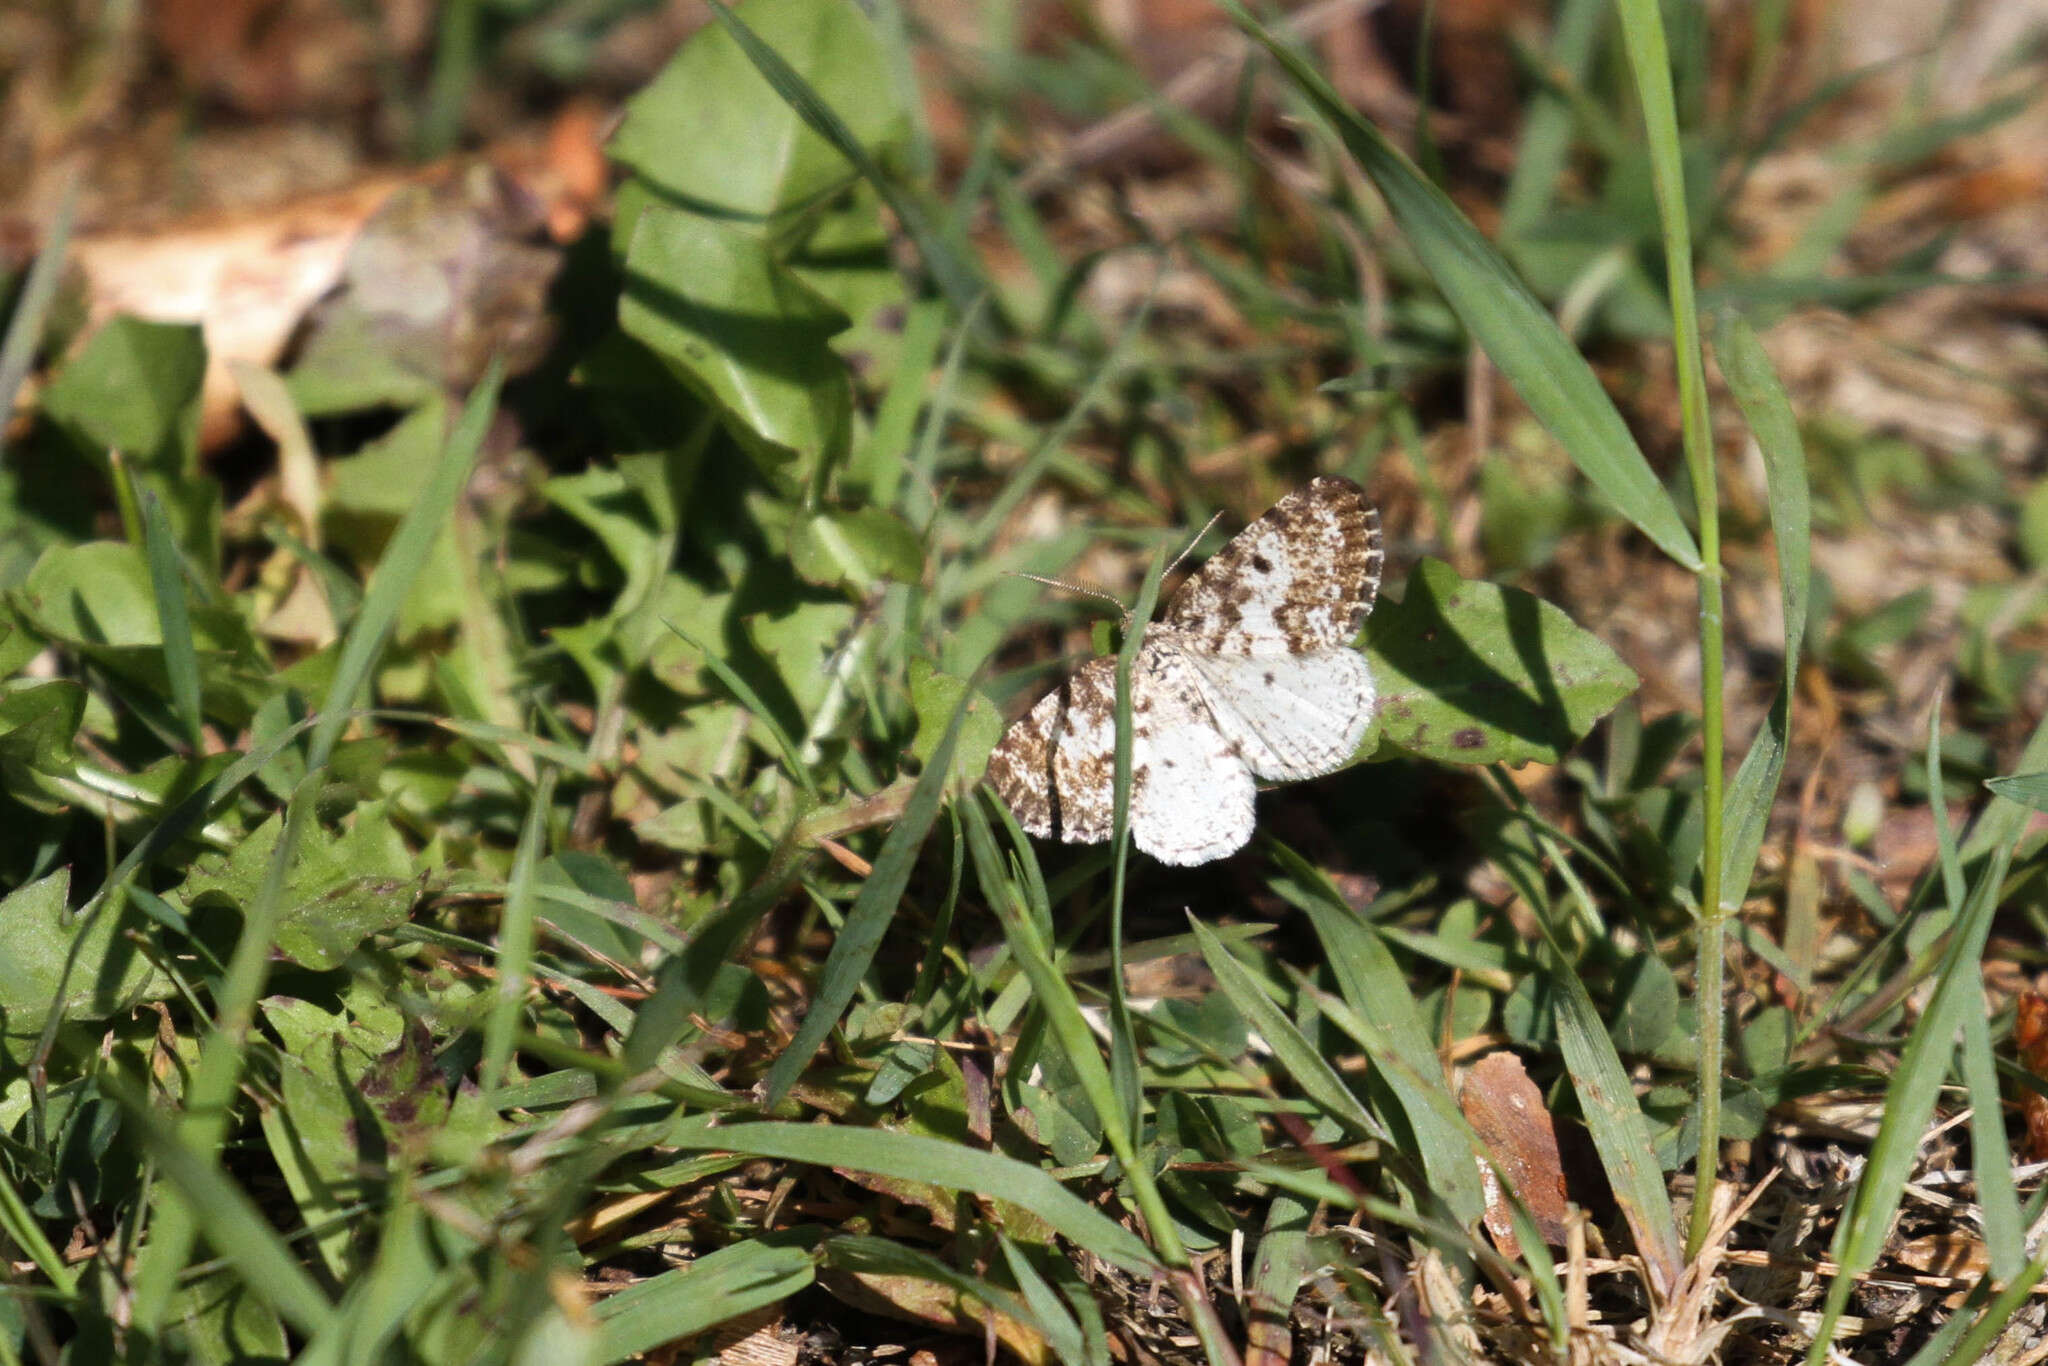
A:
(1650, 60)
(1062, 1334)
(1547, 123)
(792, 756)
(1990, 1155)
(2027, 789)
(866, 1255)
(680, 1304)
(174, 619)
(1615, 1119)
(1923, 1062)
(853, 950)
(685, 981)
(180, 820)
(32, 307)
(20, 1225)
(1372, 984)
(1762, 399)
(233, 1224)
(408, 1270)
(914, 1157)
(1975, 1345)
(2001, 822)
(879, 463)
(1292, 1049)
(1950, 858)
(400, 567)
(1123, 1047)
(924, 461)
(1053, 997)
(218, 1075)
(211, 1093)
(1101, 380)
(1518, 333)
(516, 937)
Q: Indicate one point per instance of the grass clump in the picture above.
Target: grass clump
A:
(511, 881)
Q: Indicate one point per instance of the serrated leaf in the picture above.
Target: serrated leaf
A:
(340, 892)
(742, 331)
(1473, 673)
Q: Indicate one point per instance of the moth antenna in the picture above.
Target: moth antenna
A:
(1189, 548)
(1080, 590)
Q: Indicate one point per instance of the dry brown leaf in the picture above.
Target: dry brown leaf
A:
(1507, 1112)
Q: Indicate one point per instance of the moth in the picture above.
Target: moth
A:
(1248, 674)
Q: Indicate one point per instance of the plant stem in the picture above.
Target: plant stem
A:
(1649, 56)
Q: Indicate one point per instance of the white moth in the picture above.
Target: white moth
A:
(1249, 674)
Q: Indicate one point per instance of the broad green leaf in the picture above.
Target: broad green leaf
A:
(339, 892)
(934, 696)
(219, 1321)
(1519, 334)
(322, 1133)
(711, 133)
(134, 388)
(610, 509)
(93, 594)
(849, 258)
(743, 331)
(856, 546)
(1648, 1009)
(94, 966)
(808, 643)
(37, 724)
(1473, 673)
(99, 599)
(938, 237)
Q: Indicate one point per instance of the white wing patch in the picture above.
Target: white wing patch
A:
(1290, 716)
(1250, 672)
(1191, 794)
